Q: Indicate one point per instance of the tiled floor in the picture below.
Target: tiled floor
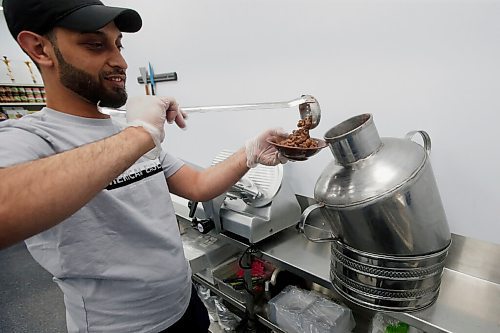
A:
(29, 300)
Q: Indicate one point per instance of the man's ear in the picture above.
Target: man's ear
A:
(37, 47)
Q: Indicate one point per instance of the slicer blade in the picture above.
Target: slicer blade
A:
(259, 186)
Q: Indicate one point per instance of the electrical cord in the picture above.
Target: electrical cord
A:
(249, 250)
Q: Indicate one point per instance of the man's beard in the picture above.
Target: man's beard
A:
(83, 84)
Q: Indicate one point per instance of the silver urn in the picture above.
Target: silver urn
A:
(390, 235)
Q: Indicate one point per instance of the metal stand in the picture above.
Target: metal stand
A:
(250, 304)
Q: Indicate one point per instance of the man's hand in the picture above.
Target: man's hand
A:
(174, 112)
(259, 151)
(150, 112)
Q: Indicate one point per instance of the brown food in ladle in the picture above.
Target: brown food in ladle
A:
(300, 138)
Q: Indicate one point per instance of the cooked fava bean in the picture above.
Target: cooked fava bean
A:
(300, 137)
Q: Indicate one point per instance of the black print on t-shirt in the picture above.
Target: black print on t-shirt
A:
(135, 174)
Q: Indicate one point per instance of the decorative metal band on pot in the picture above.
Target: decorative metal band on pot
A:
(386, 294)
(414, 267)
(382, 282)
(388, 302)
(395, 261)
(405, 274)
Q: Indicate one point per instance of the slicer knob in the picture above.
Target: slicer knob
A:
(205, 225)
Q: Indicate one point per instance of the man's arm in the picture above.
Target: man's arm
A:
(211, 182)
(37, 195)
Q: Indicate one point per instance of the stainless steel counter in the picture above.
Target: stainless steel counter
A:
(469, 300)
(465, 303)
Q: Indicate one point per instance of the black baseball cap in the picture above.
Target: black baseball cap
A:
(40, 16)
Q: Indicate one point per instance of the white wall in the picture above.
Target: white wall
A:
(414, 64)
(8, 47)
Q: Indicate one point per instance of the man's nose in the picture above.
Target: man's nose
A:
(117, 60)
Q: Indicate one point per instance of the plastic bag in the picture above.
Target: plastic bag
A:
(384, 324)
(227, 320)
(300, 311)
(208, 300)
(217, 311)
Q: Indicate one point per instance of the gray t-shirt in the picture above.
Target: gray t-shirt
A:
(118, 260)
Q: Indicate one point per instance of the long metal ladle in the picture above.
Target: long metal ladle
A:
(308, 106)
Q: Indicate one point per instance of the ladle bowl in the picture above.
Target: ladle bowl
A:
(310, 108)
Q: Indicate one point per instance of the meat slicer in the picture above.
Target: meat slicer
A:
(259, 205)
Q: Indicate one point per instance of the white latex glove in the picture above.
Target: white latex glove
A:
(174, 113)
(259, 151)
(150, 112)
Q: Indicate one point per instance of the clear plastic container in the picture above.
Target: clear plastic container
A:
(300, 311)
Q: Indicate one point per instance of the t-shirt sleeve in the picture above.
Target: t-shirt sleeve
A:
(170, 164)
(18, 145)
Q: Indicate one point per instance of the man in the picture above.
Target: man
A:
(94, 197)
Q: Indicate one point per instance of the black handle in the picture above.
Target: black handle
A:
(192, 208)
(159, 78)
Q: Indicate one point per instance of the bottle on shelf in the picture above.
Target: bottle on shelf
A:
(19, 94)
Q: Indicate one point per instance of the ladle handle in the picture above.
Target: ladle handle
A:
(302, 224)
(425, 137)
(246, 107)
(242, 107)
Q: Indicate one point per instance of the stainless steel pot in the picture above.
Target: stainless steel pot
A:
(389, 229)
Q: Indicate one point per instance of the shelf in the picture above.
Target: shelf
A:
(22, 104)
(21, 85)
(238, 305)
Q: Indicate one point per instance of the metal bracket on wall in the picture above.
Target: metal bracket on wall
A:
(160, 77)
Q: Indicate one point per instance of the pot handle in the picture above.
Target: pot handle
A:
(302, 224)
(425, 136)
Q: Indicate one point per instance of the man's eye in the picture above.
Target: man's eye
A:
(96, 45)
